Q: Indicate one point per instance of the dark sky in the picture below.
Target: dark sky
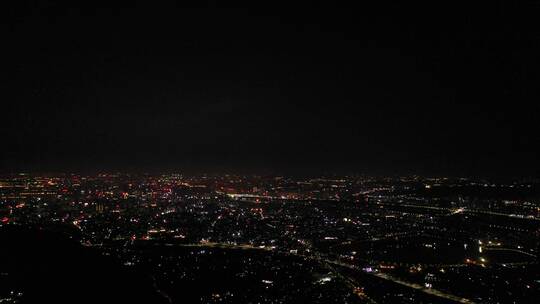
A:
(393, 87)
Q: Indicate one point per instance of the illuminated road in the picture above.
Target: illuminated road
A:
(452, 211)
(224, 246)
(509, 249)
(351, 283)
(430, 291)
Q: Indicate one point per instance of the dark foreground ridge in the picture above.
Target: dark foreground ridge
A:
(53, 268)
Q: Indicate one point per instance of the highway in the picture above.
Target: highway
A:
(430, 291)
(452, 211)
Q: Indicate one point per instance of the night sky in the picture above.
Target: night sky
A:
(386, 88)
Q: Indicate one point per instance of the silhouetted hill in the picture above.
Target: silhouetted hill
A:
(48, 267)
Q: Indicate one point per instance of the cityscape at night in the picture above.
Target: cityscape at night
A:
(270, 152)
(277, 239)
